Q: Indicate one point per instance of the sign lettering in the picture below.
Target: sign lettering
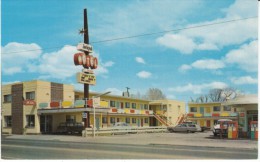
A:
(86, 78)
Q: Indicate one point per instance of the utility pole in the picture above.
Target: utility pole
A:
(86, 86)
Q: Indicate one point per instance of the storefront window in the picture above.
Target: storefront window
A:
(30, 121)
(70, 118)
(8, 121)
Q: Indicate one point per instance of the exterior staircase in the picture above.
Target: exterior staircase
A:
(162, 120)
(181, 118)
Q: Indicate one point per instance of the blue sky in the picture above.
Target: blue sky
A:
(183, 64)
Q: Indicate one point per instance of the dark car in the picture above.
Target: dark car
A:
(70, 128)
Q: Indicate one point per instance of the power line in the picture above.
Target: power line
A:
(146, 34)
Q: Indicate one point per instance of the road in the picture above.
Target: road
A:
(54, 149)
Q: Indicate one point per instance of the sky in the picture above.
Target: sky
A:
(39, 38)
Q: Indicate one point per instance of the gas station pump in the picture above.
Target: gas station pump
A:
(232, 129)
(254, 130)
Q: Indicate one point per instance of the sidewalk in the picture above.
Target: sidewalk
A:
(192, 139)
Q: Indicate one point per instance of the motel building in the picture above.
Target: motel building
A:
(38, 107)
(243, 109)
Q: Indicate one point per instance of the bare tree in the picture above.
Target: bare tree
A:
(218, 95)
(154, 94)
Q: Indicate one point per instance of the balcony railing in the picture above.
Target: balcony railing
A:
(222, 114)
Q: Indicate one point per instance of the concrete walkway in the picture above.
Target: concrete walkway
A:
(205, 139)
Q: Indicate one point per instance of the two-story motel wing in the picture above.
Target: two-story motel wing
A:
(35, 107)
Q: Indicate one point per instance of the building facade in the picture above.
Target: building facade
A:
(207, 114)
(168, 110)
(36, 107)
(243, 109)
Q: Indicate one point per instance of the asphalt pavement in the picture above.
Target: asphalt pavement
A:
(205, 139)
(52, 148)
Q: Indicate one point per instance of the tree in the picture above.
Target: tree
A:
(154, 94)
(218, 95)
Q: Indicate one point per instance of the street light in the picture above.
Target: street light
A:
(94, 107)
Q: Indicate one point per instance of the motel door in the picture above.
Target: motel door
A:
(46, 123)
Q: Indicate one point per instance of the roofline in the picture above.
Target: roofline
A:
(111, 95)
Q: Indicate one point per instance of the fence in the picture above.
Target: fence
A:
(122, 130)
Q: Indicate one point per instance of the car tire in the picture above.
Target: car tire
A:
(215, 134)
(188, 131)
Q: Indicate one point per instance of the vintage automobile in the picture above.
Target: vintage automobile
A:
(216, 129)
(70, 128)
(184, 127)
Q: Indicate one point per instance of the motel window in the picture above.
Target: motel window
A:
(112, 120)
(30, 121)
(134, 105)
(145, 106)
(227, 108)
(193, 109)
(104, 120)
(127, 105)
(30, 95)
(8, 121)
(133, 120)
(70, 118)
(145, 120)
(117, 104)
(127, 120)
(112, 104)
(122, 105)
(216, 108)
(8, 98)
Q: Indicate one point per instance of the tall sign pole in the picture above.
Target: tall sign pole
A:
(86, 86)
(85, 58)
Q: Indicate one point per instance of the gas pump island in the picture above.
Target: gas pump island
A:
(89, 63)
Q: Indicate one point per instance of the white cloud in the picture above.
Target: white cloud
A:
(140, 60)
(178, 42)
(144, 74)
(184, 68)
(114, 91)
(199, 88)
(246, 57)
(216, 37)
(210, 64)
(16, 57)
(58, 64)
(244, 80)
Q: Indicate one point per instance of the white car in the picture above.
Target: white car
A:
(216, 128)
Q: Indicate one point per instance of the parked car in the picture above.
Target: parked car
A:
(70, 128)
(121, 125)
(185, 128)
(216, 129)
(203, 128)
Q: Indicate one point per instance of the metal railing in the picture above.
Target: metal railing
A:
(126, 130)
